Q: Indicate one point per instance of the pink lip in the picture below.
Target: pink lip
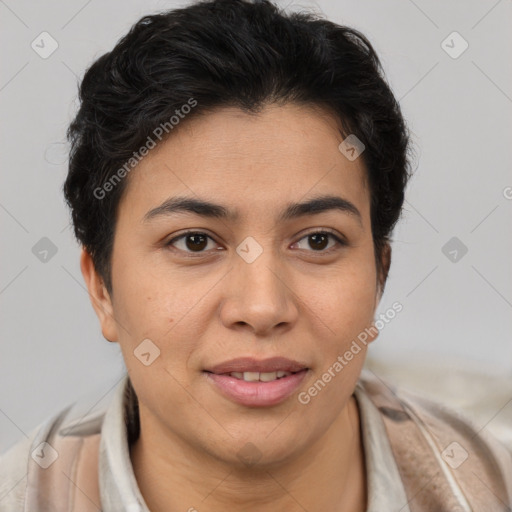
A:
(249, 364)
(257, 394)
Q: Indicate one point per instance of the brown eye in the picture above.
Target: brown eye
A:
(191, 242)
(319, 241)
(196, 242)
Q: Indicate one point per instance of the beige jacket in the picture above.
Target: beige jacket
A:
(419, 457)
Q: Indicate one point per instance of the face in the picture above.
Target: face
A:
(247, 289)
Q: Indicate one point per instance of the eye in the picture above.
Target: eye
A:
(192, 242)
(197, 241)
(318, 241)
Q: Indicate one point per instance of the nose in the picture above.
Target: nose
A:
(259, 296)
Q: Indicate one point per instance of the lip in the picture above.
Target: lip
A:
(250, 364)
(257, 394)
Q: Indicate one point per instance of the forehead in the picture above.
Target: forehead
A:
(280, 154)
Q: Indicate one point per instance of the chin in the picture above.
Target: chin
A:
(259, 449)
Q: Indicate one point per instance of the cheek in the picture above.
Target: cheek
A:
(345, 299)
(165, 308)
(157, 342)
(346, 310)
(148, 301)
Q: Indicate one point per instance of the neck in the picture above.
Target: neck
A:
(329, 475)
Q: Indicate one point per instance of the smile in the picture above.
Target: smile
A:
(259, 376)
(253, 383)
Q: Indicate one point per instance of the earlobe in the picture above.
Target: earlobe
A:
(99, 296)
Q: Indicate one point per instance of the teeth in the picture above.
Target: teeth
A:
(260, 376)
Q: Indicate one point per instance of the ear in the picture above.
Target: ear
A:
(100, 298)
(383, 271)
(385, 263)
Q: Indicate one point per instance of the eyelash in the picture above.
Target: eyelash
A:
(340, 241)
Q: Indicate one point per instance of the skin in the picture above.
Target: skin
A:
(292, 301)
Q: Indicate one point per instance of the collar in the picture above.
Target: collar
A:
(119, 489)
(118, 486)
(383, 480)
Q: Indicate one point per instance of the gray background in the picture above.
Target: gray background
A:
(459, 110)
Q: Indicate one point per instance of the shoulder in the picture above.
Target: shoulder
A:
(57, 437)
(13, 474)
(14, 463)
(441, 448)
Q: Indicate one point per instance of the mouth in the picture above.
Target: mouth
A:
(252, 365)
(250, 382)
(259, 376)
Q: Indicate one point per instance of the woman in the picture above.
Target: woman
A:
(234, 180)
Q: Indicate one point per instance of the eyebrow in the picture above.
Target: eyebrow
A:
(208, 209)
